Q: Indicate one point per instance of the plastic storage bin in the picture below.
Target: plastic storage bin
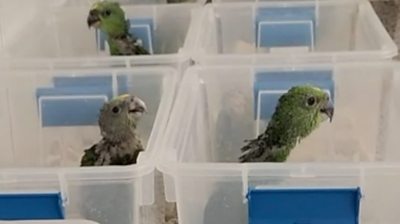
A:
(48, 117)
(64, 40)
(275, 31)
(217, 109)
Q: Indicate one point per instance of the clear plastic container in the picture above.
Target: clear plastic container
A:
(65, 41)
(215, 112)
(47, 119)
(274, 31)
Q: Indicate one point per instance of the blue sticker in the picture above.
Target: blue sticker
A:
(122, 84)
(31, 206)
(83, 81)
(101, 39)
(71, 106)
(76, 100)
(304, 206)
(285, 26)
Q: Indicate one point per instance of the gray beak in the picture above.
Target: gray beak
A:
(137, 106)
(93, 18)
(328, 109)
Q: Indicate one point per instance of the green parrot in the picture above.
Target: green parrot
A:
(109, 17)
(120, 144)
(298, 113)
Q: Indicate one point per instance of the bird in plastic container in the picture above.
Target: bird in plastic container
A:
(121, 143)
(298, 113)
(109, 17)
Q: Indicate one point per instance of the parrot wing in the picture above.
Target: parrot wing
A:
(127, 45)
(254, 150)
(105, 153)
(90, 156)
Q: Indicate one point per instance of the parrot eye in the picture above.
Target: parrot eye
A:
(107, 12)
(115, 110)
(311, 101)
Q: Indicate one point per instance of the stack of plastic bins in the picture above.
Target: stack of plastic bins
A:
(55, 34)
(274, 31)
(48, 117)
(217, 108)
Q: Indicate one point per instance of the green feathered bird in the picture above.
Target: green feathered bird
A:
(298, 113)
(109, 17)
(121, 143)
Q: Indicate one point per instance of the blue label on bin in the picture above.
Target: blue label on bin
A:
(75, 101)
(269, 85)
(31, 206)
(285, 26)
(140, 28)
(304, 206)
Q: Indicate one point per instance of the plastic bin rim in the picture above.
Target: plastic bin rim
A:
(279, 3)
(87, 4)
(129, 172)
(293, 65)
(332, 56)
(83, 62)
(304, 169)
(164, 70)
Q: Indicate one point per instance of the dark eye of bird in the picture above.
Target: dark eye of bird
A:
(115, 110)
(107, 12)
(311, 101)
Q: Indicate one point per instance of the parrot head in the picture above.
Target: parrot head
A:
(119, 116)
(108, 17)
(302, 109)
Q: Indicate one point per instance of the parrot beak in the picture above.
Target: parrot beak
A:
(328, 109)
(137, 106)
(93, 19)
